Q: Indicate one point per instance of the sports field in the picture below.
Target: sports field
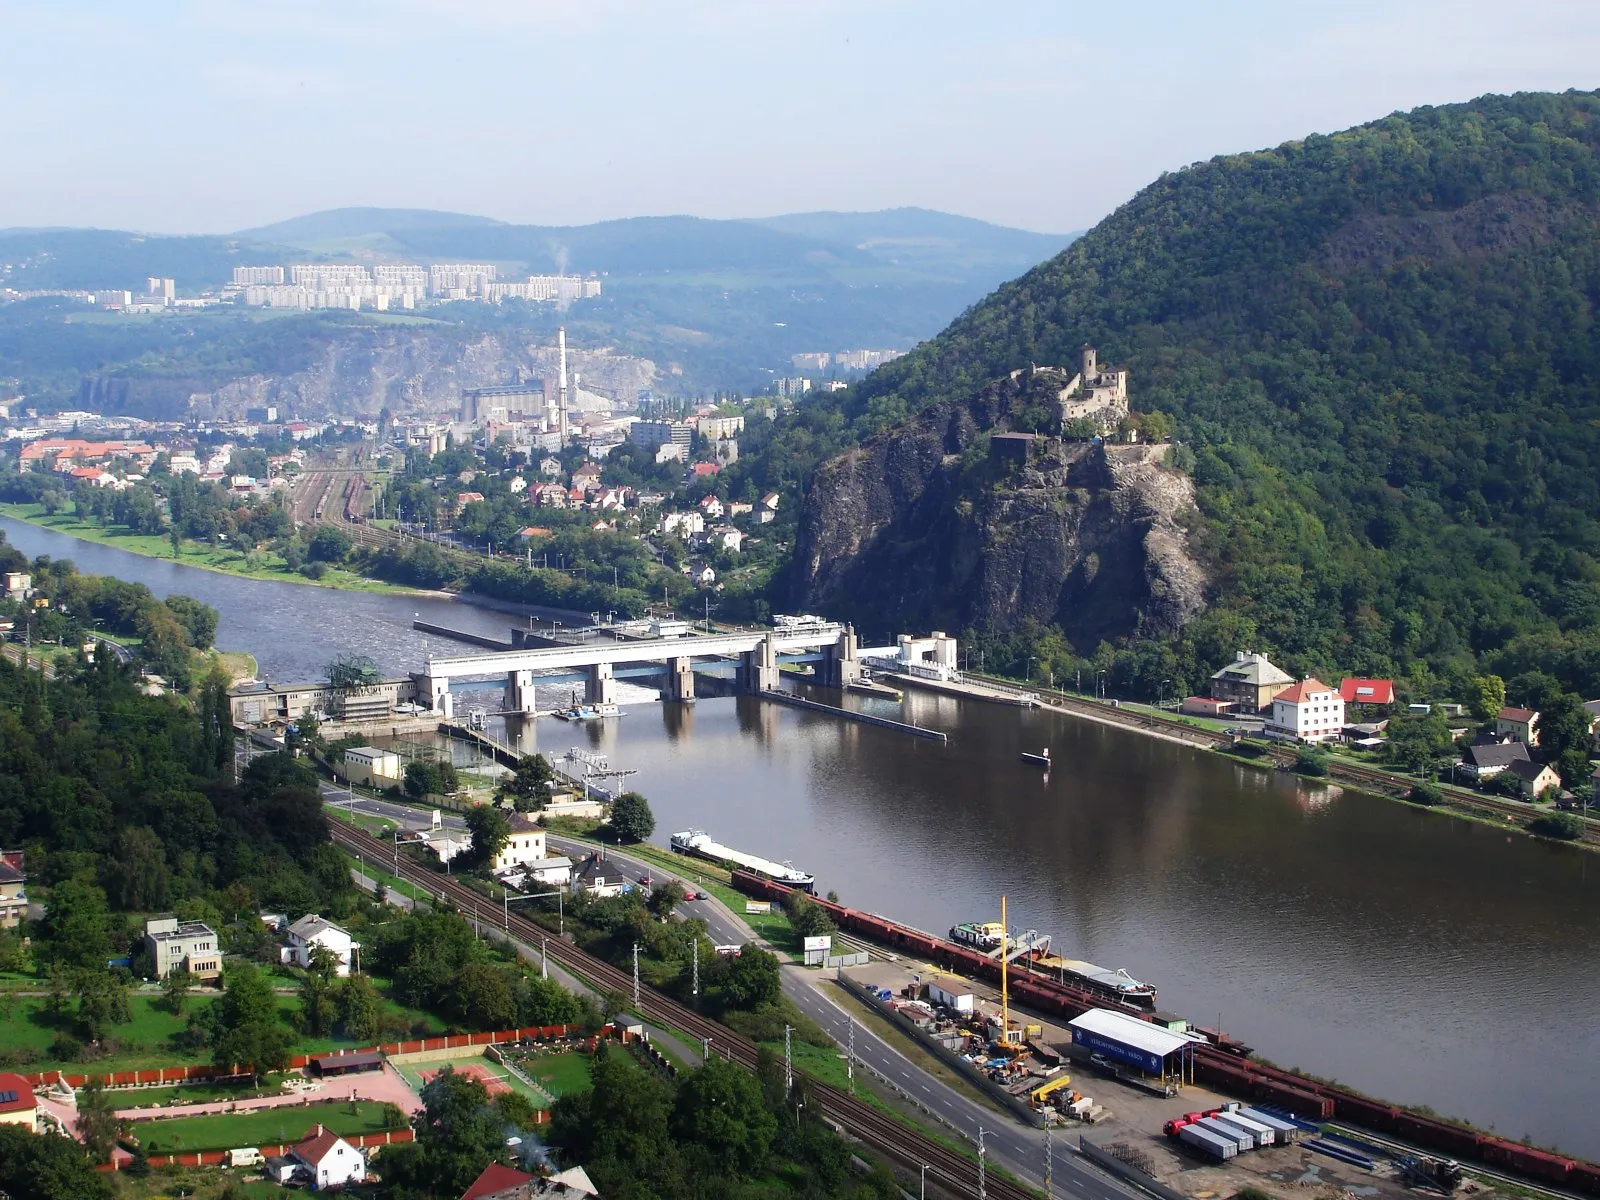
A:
(556, 1074)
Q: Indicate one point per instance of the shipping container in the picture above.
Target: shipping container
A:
(1264, 1134)
(1284, 1131)
(1241, 1139)
(1208, 1142)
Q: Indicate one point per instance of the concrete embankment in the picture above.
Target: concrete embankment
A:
(932, 735)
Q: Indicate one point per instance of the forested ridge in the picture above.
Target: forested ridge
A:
(1379, 353)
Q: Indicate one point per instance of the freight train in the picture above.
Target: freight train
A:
(1220, 1062)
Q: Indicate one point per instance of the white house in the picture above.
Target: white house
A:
(331, 1161)
(371, 766)
(311, 931)
(1309, 711)
(524, 847)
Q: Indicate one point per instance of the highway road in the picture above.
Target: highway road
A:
(1019, 1148)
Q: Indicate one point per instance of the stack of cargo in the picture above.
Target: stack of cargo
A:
(1224, 1132)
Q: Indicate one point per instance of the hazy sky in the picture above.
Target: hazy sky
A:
(209, 117)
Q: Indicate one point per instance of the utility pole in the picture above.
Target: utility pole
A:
(922, 1192)
(695, 991)
(850, 1062)
(1049, 1163)
(636, 974)
(788, 1061)
(705, 1050)
(983, 1181)
(544, 958)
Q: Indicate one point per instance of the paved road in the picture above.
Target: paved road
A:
(1019, 1148)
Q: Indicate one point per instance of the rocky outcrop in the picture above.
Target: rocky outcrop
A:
(357, 370)
(925, 527)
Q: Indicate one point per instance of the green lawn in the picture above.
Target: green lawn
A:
(189, 1093)
(226, 1131)
(560, 1074)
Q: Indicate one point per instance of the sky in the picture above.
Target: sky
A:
(210, 117)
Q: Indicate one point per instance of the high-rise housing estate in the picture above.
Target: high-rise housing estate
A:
(257, 276)
(405, 275)
(460, 280)
(323, 276)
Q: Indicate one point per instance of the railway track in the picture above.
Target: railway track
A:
(899, 1143)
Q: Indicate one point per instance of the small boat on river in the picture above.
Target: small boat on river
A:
(1041, 759)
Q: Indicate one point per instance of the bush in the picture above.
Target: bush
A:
(1425, 793)
(1563, 826)
(1311, 762)
(66, 1048)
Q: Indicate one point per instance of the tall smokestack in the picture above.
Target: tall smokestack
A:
(561, 393)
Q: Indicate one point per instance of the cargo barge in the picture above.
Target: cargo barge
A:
(700, 845)
(1219, 1062)
(1117, 985)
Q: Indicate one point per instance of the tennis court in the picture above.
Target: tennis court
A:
(494, 1077)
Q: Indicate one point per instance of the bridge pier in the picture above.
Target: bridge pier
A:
(520, 694)
(437, 691)
(601, 687)
(680, 680)
(841, 663)
(758, 668)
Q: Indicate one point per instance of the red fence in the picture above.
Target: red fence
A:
(181, 1074)
(1216, 1064)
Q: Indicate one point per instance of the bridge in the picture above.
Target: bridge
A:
(754, 656)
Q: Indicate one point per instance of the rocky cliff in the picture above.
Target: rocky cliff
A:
(356, 370)
(929, 525)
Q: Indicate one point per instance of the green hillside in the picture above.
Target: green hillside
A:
(1380, 352)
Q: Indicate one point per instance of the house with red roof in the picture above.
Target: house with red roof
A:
(1520, 724)
(17, 1105)
(704, 470)
(329, 1159)
(1307, 711)
(501, 1183)
(1367, 691)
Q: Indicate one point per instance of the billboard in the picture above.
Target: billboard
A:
(816, 950)
(756, 908)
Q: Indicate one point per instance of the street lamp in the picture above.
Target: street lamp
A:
(1161, 701)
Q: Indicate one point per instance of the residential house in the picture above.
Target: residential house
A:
(1487, 759)
(1204, 706)
(549, 495)
(700, 573)
(704, 470)
(684, 524)
(372, 767)
(769, 507)
(711, 508)
(1367, 691)
(1591, 709)
(525, 845)
(1250, 681)
(613, 499)
(311, 931)
(1533, 779)
(555, 872)
(598, 877)
(17, 1105)
(1519, 723)
(530, 533)
(13, 892)
(1308, 711)
(182, 947)
(517, 486)
(740, 508)
(501, 1183)
(466, 498)
(587, 477)
(331, 1161)
(669, 452)
(550, 467)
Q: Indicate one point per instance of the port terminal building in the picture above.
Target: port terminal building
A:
(1159, 1055)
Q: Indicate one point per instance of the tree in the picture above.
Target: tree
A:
(664, 898)
(750, 980)
(1426, 793)
(247, 1000)
(75, 932)
(430, 779)
(631, 818)
(360, 1009)
(200, 620)
(318, 1001)
(97, 1120)
(720, 1112)
(102, 1003)
(175, 991)
(490, 829)
(542, 1001)
(1486, 696)
(329, 544)
(483, 997)
(137, 876)
(1563, 826)
(42, 1166)
(458, 1134)
(1416, 743)
(528, 787)
(806, 916)
(260, 1047)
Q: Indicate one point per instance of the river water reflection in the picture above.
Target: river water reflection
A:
(1419, 958)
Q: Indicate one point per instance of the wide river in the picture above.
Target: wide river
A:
(1419, 958)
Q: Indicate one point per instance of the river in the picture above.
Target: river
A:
(1416, 957)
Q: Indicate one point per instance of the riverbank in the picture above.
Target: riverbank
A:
(1457, 803)
(258, 564)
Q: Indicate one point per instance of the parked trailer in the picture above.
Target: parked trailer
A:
(1213, 1144)
(1286, 1131)
(1263, 1134)
(1241, 1139)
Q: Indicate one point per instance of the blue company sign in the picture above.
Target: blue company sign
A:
(1142, 1059)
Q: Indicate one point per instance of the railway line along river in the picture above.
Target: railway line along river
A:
(1426, 960)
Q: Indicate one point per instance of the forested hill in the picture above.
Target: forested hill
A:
(1379, 348)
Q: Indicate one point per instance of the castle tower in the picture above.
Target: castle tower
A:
(1088, 364)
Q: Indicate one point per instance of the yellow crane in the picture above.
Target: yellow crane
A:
(1042, 1092)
